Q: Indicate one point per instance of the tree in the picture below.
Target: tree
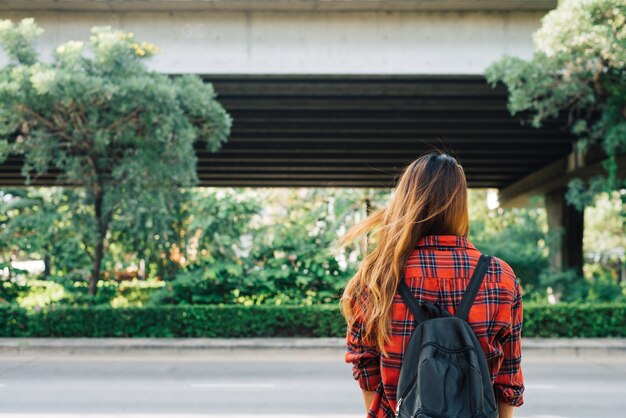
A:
(39, 222)
(216, 231)
(102, 121)
(295, 257)
(281, 252)
(517, 235)
(578, 69)
(153, 239)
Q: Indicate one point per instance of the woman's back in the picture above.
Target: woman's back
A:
(438, 271)
(421, 237)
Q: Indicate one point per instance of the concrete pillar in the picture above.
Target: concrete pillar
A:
(568, 223)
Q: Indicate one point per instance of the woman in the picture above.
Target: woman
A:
(421, 237)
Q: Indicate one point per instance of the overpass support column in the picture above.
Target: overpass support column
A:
(567, 223)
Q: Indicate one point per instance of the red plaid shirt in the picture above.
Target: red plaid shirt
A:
(438, 271)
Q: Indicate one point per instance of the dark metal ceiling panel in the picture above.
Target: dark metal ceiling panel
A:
(360, 131)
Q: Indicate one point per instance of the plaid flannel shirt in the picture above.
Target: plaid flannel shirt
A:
(438, 271)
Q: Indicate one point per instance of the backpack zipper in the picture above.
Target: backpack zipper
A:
(398, 406)
(401, 399)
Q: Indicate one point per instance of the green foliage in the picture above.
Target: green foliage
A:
(10, 290)
(18, 40)
(581, 320)
(605, 239)
(518, 236)
(604, 289)
(106, 123)
(296, 260)
(41, 223)
(218, 219)
(578, 70)
(41, 293)
(14, 321)
(283, 254)
(135, 293)
(76, 291)
(567, 286)
(267, 247)
(138, 233)
(69, 291)
(216, 224)
(562, 320)
(199, 286)
(174, 321)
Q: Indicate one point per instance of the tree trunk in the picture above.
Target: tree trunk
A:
(102, 224)
(46, 265)
(97, 264)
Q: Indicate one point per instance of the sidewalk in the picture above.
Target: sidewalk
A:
(546, 346)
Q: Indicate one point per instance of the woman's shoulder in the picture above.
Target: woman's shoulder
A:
(502, 272)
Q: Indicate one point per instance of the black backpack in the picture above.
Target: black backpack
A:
(444, 372)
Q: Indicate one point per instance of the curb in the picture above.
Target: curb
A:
(548, 346)
(182, 344)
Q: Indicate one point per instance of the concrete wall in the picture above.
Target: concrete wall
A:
(308, 42)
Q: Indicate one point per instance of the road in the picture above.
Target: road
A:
(263, 384)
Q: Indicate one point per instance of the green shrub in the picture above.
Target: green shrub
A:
(203, 285)
(13, 321)
(185, 321)
(41, 293)
(136, 292)
(575, 320)
(563, 320)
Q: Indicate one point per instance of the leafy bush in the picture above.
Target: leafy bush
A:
(13, 321)
(41, 293)
(517, 236)
(10, 290)
(57, 291)
(286, 256)
(604, 289)
(187, 321)
(575, 320)
(235, 321)
(567, 286)
(203, 285)
(274, 247)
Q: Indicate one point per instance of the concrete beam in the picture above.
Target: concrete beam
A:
(555, 176)
(300, 42)
(276, 5)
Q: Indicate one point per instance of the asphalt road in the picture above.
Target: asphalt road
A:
(263, 384)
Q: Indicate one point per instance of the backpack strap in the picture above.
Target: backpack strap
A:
(410, 301)
(472, 288)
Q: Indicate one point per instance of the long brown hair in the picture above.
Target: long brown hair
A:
(430, 199)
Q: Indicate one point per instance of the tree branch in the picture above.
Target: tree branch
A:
(50, 125)
(123, 119)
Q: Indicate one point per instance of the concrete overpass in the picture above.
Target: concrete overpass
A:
(336, 37)
(346, 92)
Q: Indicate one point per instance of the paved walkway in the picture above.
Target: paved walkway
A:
(262, 383)
(557, 346)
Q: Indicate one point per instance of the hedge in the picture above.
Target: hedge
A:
(175, 321)
(566, 320)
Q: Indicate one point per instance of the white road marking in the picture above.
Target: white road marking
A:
(540, 386)
(233, 385)
(543, 416)
(166, 415)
